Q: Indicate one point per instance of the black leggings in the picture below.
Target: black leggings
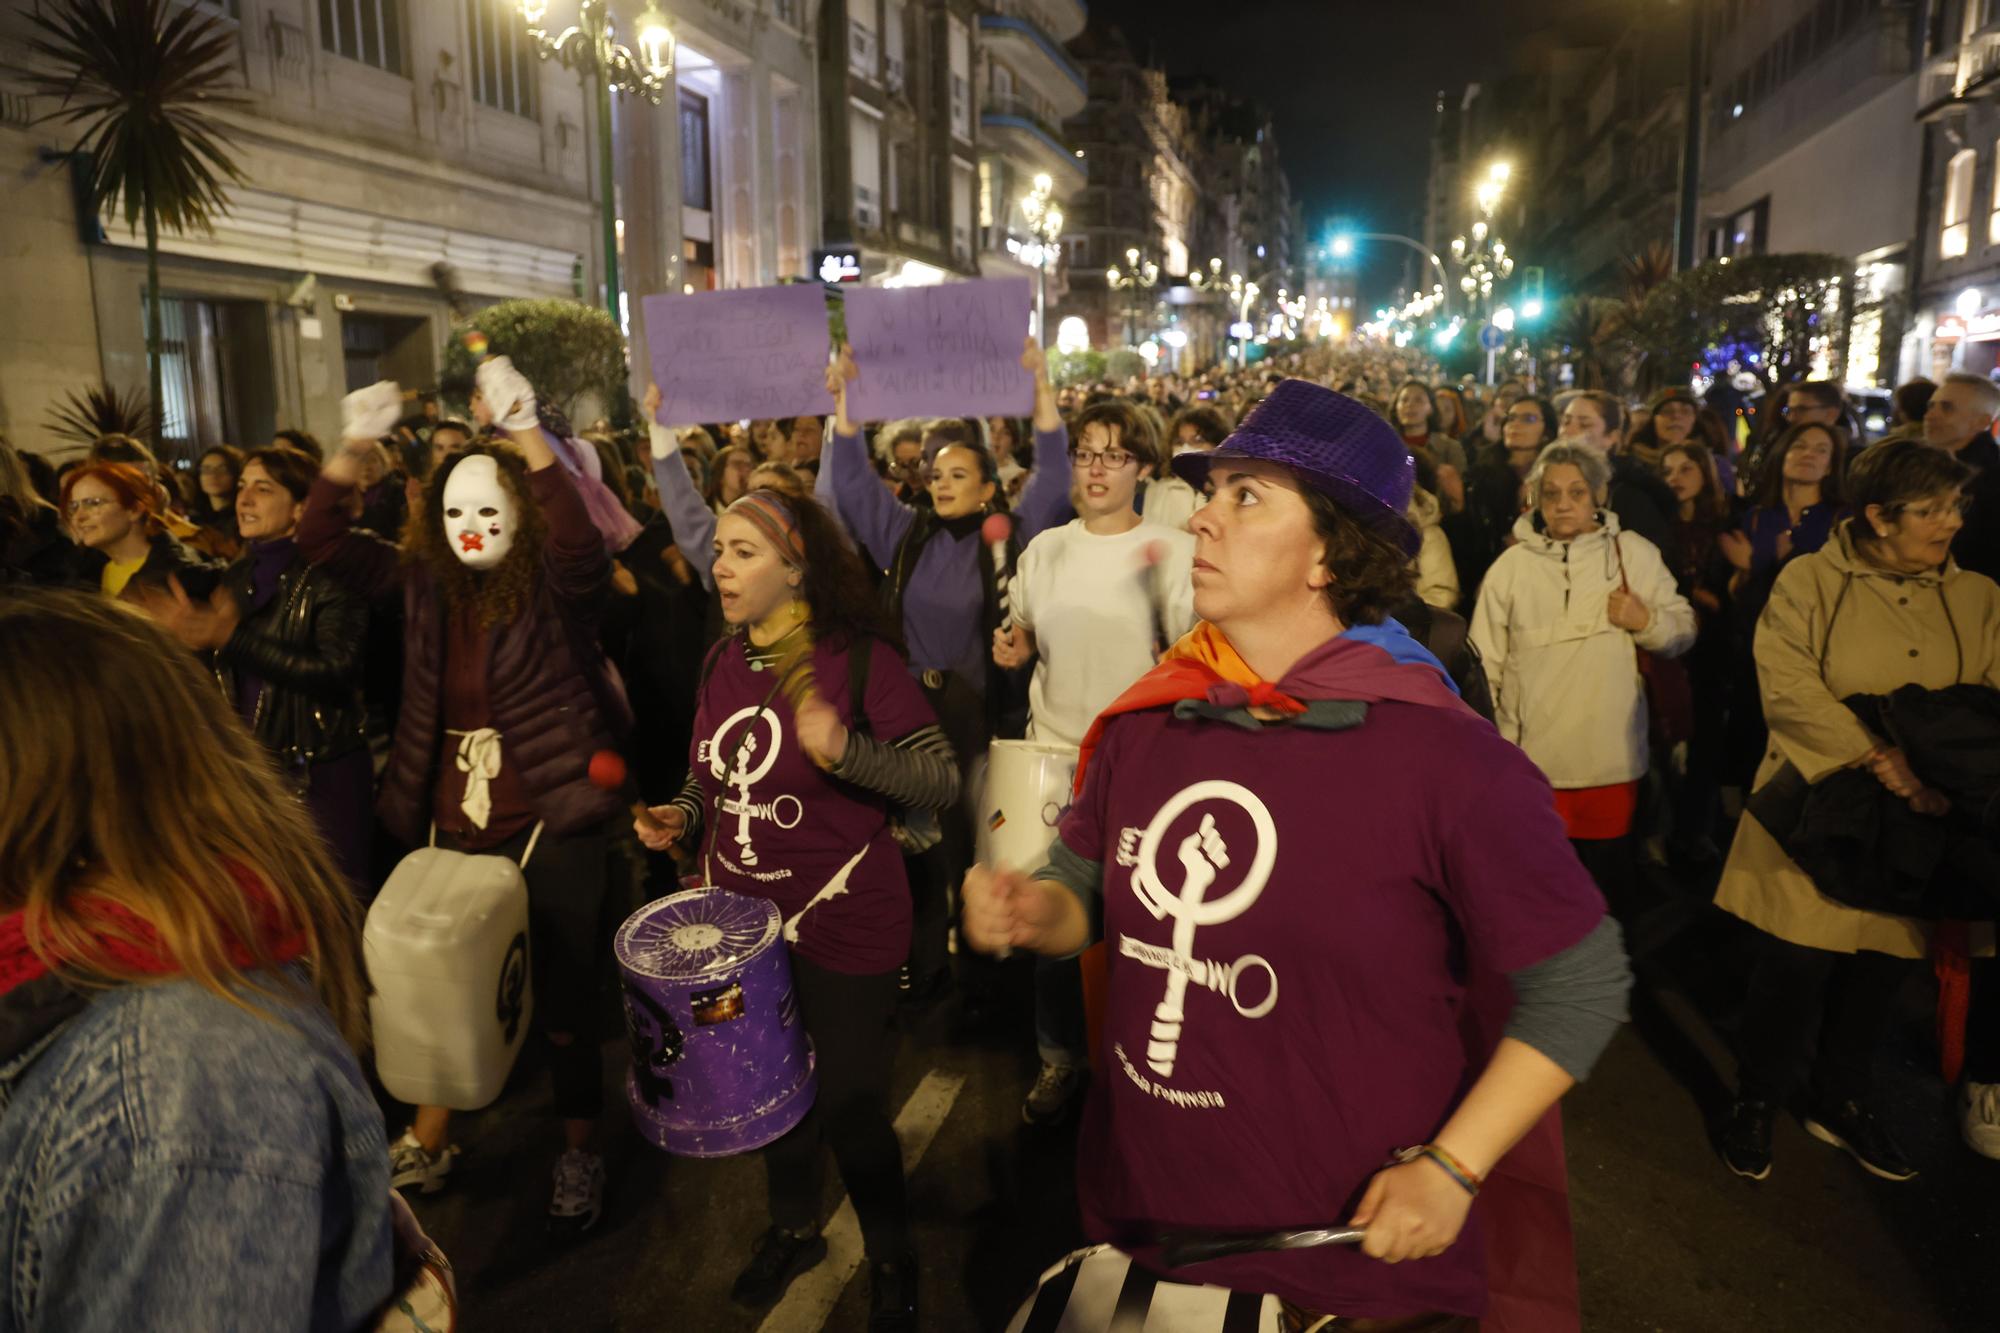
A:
(1815, 1019)
(847, 1018)
(568, 882)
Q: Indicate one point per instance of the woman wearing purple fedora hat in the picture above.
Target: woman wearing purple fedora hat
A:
(1321, 882)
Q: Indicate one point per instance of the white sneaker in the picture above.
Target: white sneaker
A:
(1980, 1120)
(411, 1164)
(578, 1200)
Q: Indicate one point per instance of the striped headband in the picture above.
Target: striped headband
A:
(768, 511)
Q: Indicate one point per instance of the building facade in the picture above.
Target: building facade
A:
(404, 164)
(1955, 321)
(1799, 93)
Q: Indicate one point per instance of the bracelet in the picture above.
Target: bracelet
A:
(1468, 1179)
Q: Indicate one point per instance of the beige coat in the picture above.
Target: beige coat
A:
(1892, 630)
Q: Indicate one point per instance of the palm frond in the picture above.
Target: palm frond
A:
(91, 413)
(138, 79)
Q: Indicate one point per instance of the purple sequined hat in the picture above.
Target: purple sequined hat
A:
(1337, 446)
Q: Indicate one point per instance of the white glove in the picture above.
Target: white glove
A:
(371, 413)
(666, 443)
(508, 394)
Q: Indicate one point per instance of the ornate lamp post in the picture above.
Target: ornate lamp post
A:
(1045, 220)
(592, 49)
(1139, 274)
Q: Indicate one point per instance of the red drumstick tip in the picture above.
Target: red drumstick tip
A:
(996, 529)
(607, 770)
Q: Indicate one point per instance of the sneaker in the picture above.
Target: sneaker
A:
(1053, 1095)
(1745, 1141)
(780, 1256)
(1861, 1136)
(1981, 1119)
(578, 1200)
(892, 1295)
(410, 1163)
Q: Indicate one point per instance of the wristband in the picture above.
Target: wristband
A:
(1468, 1179)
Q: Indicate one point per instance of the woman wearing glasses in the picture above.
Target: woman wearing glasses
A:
(1097, 599)
(1880, 606)
(114, 515)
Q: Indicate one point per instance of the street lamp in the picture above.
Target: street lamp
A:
(1045, 220)
(592, 50)
(1139, 274)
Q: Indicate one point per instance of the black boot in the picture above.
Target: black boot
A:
(780, 1256)
(892, 1296)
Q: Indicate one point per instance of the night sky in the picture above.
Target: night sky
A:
(1351, 84)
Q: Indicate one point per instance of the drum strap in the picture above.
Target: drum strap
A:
(526, 852)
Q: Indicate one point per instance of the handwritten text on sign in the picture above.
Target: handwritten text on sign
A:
(950, 350)
(723, 356)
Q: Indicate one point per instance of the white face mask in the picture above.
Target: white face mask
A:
(479, 514)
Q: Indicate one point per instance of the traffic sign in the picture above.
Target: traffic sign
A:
(838, 264)
(1491, 337)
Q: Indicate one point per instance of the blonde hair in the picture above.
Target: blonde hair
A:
(125, 778)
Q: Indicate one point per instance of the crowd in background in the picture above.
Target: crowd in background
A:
(1668, 606)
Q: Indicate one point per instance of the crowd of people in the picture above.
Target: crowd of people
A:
(1498, 655)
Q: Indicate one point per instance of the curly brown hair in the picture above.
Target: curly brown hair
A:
(495, 595)
(1371, 575)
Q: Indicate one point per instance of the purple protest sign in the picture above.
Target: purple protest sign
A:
(953, 350)
(724, 356)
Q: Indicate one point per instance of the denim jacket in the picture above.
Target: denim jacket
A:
(171, 1161)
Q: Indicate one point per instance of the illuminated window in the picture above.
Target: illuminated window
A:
(1956, 237)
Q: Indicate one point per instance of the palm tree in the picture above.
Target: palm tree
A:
(139, 77)
(91, 413)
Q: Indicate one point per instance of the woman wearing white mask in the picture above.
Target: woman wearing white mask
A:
(505, 699)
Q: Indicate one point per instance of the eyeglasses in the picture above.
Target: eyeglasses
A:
(1938, 511)
(86, 505)
(1113, 459)
(1526, 418)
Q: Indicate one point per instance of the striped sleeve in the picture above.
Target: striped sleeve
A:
(918, 771)
(690, 803)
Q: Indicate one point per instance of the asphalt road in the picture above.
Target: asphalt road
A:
(1666, 1238)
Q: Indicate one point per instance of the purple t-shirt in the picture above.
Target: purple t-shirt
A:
(777, 826)
(1285, 917)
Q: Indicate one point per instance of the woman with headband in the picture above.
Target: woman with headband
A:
(943, 593)
(808, 731)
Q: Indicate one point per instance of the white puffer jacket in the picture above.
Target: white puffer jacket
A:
(1566, 684)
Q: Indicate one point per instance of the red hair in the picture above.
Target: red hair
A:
(126, 482)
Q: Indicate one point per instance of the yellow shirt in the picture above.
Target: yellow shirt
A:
(118, 573)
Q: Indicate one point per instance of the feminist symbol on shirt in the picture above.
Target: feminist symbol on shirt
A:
(739, 774)
(1203, 855)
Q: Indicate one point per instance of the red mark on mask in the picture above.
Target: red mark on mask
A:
(471, 541)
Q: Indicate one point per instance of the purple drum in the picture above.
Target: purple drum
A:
(720, 1060)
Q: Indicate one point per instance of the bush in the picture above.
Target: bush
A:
(1759, 313)
(566, 349)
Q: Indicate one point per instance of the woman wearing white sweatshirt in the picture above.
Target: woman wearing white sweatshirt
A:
(1559, 622)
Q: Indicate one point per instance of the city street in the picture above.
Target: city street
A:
(1666, 1238)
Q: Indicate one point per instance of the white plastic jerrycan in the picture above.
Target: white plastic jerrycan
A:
(447, 951)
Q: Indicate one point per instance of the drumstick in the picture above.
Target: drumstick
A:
(1149, 574)
(1177, 1251)
(608, 771)
(996, 530)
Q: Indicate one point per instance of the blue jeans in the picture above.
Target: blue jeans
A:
(1059, 1034)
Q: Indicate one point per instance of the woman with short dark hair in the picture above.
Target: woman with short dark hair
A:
(1295, 729)
(285, 640)
(1880, 606)
(216, 474)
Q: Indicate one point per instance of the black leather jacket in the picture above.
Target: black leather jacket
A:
(306, 646)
